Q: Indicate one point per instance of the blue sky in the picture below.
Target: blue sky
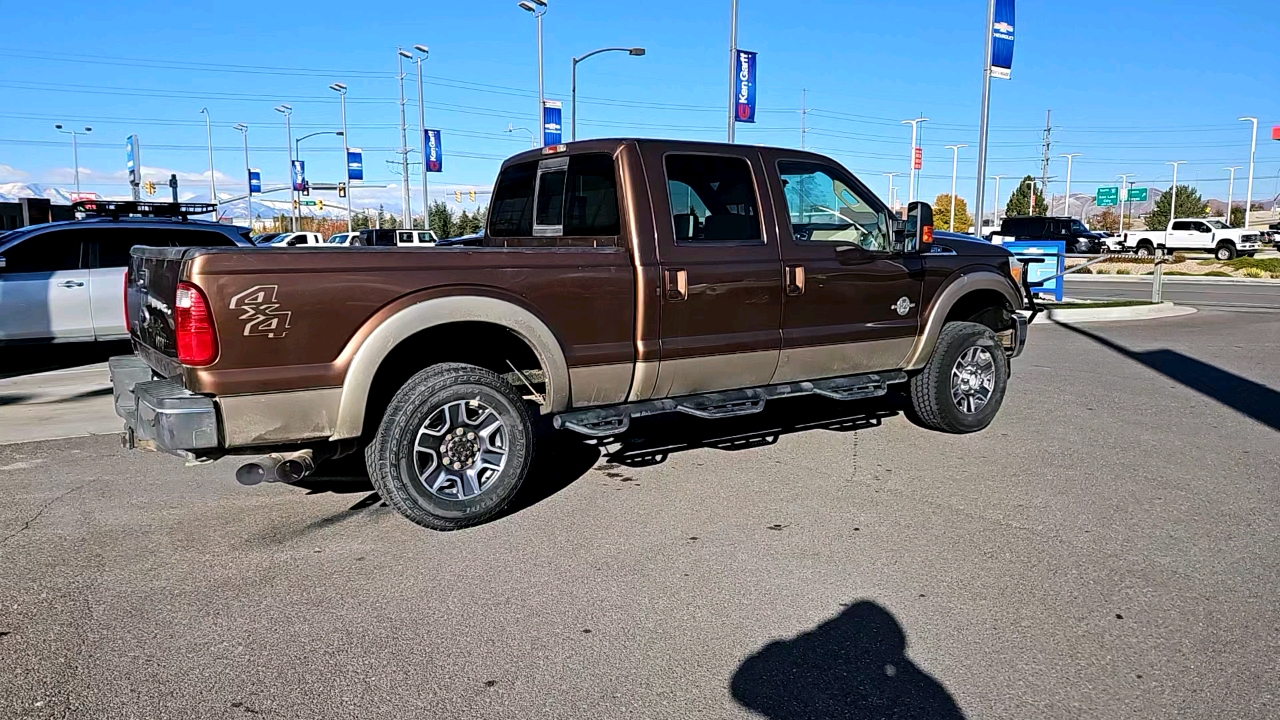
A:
(1131, 85)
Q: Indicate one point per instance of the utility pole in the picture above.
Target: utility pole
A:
(983, 129)
(213, 187)
(804, 127)
(1044, 164)
(955, 160)
(406, 217)
(287, 111)
(733, 65)
(341, 89)
(1231, 188)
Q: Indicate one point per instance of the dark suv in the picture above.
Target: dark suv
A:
(1079, 239)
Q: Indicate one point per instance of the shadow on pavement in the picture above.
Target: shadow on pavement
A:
(851, 667)
(16, 360)
(1240, 394)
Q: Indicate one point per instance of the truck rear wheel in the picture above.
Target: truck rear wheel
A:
(962, 386)
(453, 447)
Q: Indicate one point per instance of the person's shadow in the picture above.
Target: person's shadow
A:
(853, 666)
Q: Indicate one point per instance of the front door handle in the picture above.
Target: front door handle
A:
(677, 282)
(70, 284)
(795, 279)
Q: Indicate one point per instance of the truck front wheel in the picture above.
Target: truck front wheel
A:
(453, 447)
(1225, 251)
(962, 386)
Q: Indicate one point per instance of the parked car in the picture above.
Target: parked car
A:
(472, 240)
(618, 279)
(1078, 238)
(342, 238)
(265, 238)
(295, 239)
(416, 238)
(64, 281)
(1196, 234)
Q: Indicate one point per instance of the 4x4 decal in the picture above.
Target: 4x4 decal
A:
(260, 308)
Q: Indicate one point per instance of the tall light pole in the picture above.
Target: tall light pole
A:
(1231, 188)
(733, 66)
(422, 134)
(955, 160)
(406, 216)
(915, 133)
(213, 187)
(248, 198)
(1173, 201)
(532, 138)
(537, 8)
(287, 111)
(1066, 205)
(297, 144)
(341, 89)
(891, 176)
(573, 86)
(75, 151)
(1253, 150)
(1124, 190)
(996, 220)
(980, 191)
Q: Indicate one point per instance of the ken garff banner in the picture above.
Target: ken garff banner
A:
(551, 122)
(255, 181)
(745, 103)
(1002, 40)
(355, 164)
(435, 152)
(299, 175)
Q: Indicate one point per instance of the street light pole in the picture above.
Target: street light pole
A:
(75, 151)
(341, 89)
(422, 135)
(573, 83)
(733, 66)
(915, 128)
(955, 160)
(1231, 188)
(532, 138)
(538, 8)
(1173, 201)
(1253, 150)
(891, 176)
(406, 212)
(996, 220)
(213, 187)
(1066, 204)
(287, 111)
(983, 128)
(248, 197)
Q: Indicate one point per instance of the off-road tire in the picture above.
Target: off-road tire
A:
(1225, 251)
(931, 388)
(390, 457)
(1145, 249)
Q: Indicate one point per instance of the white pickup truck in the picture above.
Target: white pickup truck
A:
(1205, 235)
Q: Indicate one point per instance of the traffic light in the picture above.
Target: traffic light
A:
(342, 190)
(149, 187)
(306, 188)
(319, 203)
(457, 196)
(473, 196)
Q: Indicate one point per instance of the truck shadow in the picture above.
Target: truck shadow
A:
(27, 359)
(853, 666)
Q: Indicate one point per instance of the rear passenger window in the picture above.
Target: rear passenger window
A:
(713, 199)
(1183, 226)
(560, 197)
(511, 214)
(46, 252)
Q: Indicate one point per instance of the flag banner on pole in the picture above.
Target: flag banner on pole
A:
(133, 160)
(745, 104)
(355, 164)
(255, 181)
(435, 151)
(551, 122)
(1002, 40)
(299, 175)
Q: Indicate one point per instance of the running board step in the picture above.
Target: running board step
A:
(616, 420)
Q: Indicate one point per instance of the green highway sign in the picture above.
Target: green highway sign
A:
(1108, 196)
(308, 203)
(1137, 194)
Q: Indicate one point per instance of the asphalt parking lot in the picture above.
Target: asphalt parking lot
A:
(1107, 549)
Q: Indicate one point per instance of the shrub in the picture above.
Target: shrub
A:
(1263, 264)
(1179, 258)
(1275, 276)
(1123, 271)
(1253, 272)
(1217, 273)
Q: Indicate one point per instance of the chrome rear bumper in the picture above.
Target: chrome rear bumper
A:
(159, 413)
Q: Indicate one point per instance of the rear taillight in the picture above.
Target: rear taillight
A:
(193, 325)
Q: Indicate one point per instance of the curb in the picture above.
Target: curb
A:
(1175, 278)
(1133, 312)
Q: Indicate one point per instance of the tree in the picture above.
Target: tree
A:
(442, 221)
(1020, 200)
(1108, 220)
(942, 214)
(1237, 216)
(1190, 205)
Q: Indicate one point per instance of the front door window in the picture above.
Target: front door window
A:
(825, 208)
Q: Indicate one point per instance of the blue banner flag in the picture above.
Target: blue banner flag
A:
(355, 164)
(435, 151)
(299, 175)
(255, 181)
(133, 160)
(551, 122)
(745, 100)
(1002, 40)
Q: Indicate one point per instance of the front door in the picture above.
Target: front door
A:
(721, 281)
(852, 295)
(44, 289)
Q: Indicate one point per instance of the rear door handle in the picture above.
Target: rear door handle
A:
(677, 282)
(795, 279)
(70, 284)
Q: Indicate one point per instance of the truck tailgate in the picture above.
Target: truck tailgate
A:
(150, 290)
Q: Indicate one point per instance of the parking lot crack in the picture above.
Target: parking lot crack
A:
(27, 525)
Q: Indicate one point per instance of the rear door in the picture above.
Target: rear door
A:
(720, 266)
(44, 289)
(1182, 234)
(852, 300)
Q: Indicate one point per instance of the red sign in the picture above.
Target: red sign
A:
(918, 161)
(1275, 133)
(82, 196)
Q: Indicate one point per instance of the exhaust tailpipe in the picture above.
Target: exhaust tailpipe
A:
(288, 468)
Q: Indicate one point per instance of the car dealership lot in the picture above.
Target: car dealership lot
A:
(1106, 549)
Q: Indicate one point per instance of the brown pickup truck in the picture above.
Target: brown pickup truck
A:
(616, 279)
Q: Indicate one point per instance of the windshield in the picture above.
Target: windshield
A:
(338, 239)
(1217, 225)
(1078, 227)
(265, 238)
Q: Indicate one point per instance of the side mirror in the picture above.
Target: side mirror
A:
(919, 229)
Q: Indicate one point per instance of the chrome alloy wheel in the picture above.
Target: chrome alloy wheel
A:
(460, 450)
(973, 380)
